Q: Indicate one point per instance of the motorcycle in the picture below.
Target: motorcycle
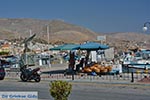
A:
(28, 74)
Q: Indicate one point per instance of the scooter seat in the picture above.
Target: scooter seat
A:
(36, 69)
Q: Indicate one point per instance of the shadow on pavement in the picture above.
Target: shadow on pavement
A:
(31, 81)
(54, 72)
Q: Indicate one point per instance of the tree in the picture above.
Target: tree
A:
(60, 90)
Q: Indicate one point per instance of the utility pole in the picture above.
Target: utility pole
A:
(48, 34)
(49, 64)
(30, 32)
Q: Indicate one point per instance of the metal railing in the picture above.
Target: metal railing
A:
(128, 77)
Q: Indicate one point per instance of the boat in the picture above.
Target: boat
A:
(139, 61)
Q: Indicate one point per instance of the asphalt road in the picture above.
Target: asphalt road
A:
(83, 91)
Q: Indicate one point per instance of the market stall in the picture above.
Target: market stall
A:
(85, 65)
(94, 66)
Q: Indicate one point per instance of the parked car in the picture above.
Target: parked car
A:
(2, 73)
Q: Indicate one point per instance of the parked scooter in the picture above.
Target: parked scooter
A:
(28, 74)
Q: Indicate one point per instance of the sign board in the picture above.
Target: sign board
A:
(101, 38)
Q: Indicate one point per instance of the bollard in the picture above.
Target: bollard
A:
(132, 76)
(72, 75)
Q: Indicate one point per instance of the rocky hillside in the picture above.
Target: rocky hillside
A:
(59, 31)
(130, 36)
(125, 41)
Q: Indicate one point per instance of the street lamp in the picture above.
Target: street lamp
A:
(145, 27)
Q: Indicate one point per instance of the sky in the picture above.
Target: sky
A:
(103, 16)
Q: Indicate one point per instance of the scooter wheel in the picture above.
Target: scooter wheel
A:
(37, 79)
(1, 78)
(23, 78)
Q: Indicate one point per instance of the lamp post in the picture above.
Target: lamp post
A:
(145, 28)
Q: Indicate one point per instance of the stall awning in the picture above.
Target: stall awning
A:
(86, 46)
(93, 46)
(67, 47)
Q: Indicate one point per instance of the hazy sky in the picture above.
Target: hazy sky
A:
(97, 15)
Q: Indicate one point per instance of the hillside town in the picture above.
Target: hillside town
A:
(114, 53)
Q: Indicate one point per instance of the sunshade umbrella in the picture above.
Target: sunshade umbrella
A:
(93, 46)
(66, 47)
